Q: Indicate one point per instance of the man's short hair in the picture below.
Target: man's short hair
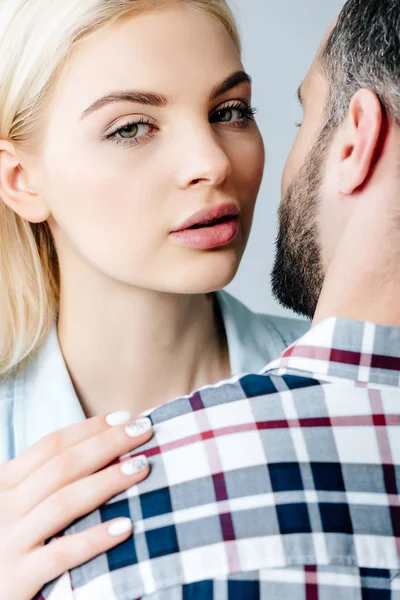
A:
(363, 51)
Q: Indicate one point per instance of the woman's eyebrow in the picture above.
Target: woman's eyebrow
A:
(229, 83)
(158, 100)
(146, 98)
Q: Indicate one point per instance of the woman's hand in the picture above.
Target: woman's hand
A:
(63, 477)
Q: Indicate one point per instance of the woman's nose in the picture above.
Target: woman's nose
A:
(203, 162)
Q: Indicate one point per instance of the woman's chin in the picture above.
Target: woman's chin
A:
(198, 273)
(210, 276)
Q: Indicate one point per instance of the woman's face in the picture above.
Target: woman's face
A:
(145, 129)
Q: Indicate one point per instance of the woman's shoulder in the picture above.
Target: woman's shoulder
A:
(255, 338)
(289, 329)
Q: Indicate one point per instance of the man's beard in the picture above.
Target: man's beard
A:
(298, 273)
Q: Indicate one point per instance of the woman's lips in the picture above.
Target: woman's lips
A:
(209, 228)
(207, 237)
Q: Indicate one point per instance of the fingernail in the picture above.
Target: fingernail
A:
(119, 418)
(120, 527)
(134, 465)
(138, 428)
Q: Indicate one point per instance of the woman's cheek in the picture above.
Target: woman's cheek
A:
(255, 163)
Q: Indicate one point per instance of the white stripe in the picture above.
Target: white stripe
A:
(367, 348)
(62, 589)
(297, 576)
(100, 588)
(339, 579)
(149, 582)
(376, 552)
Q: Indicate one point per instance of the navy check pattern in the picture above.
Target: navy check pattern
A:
(278, 485)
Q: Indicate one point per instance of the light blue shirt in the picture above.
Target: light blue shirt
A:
(40, 398)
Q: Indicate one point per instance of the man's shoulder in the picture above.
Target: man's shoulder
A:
(233, 393)
(246, 462)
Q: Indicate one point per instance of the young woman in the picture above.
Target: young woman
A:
(130, 163)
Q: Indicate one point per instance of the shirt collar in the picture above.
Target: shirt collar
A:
(44, 396)
(342, 348)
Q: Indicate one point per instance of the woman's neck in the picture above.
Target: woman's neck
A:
(134, 353)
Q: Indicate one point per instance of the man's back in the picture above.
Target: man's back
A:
(279, 485)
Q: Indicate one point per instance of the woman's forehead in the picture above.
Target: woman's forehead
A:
(170, 49)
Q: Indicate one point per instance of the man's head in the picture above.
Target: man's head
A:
(344, 150)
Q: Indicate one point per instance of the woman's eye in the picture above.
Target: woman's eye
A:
(131, 133)
(225, 115)
(133, 130)
(234, 115)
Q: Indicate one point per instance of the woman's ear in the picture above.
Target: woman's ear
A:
(360, 141)
(15, 191)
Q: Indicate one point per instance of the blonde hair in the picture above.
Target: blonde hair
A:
(36, 38)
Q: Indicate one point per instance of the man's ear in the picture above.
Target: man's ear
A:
(360, 142)
(14, 187)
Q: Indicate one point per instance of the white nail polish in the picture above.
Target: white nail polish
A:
(134, 465)
(118, 418)
(120, 527)
(138, 428)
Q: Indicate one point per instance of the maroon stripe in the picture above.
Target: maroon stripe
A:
(196, 402)
(221, 493)
(379, 420)
(345, 356)
(315, 422)
(395, 516)
(389, 477)
(377, 361)
(348, 421)
(389, 363)
(227, 527)
(311, 583)
(281, 424)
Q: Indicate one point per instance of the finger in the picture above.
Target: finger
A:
(61, 555)
(79, 499)
(15, 471)
(81, 460)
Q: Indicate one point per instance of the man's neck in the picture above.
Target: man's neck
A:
(363, 279)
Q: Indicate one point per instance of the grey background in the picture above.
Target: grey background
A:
(280, 40)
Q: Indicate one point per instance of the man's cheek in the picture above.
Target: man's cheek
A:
(286, 177)
(293, 163)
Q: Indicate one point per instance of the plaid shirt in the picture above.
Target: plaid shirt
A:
(282, 485)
